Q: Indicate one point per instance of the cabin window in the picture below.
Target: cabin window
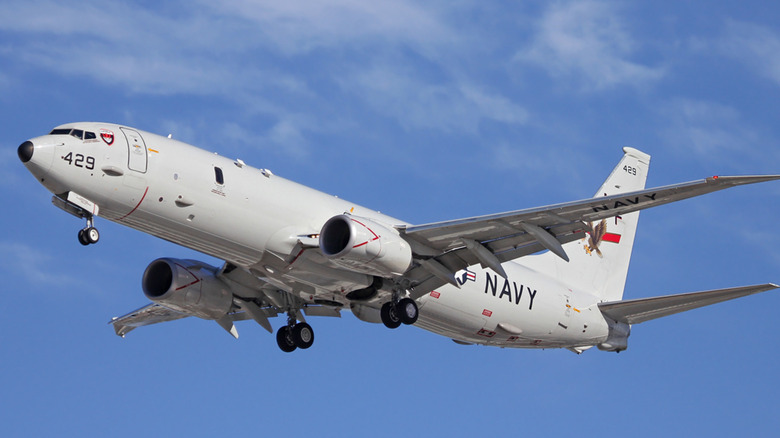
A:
(219, 176)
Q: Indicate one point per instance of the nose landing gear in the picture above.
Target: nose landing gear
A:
(89, 234)
(81, 207)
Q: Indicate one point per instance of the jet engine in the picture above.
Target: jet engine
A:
(362, 245)
(187, 286)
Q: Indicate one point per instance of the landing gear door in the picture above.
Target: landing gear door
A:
(137, 155)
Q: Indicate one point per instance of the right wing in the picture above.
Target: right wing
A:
(253, 298)
(147, 315)
(447, 247)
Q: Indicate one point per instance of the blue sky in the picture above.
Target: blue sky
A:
(426, 112)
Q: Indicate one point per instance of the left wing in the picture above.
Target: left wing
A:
(447, 247)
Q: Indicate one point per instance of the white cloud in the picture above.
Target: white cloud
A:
(588, 43)
(296, 26)
(755, 45)
(36, 266)
(404, 60)
(143, 50)
(715, 133)
(418, 104)
(287, 136)
(261, 56)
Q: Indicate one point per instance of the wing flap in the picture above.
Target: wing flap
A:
(645, 309)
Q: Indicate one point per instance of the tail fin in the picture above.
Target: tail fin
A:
(598, 264)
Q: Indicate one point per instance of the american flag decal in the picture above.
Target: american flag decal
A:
(465, 276)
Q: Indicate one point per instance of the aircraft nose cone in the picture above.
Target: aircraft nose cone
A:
(25, 151)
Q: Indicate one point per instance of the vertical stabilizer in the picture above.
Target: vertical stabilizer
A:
(598, 264)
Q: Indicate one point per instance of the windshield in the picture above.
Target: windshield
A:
(78, 133)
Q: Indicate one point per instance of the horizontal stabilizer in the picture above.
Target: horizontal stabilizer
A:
(645, 309)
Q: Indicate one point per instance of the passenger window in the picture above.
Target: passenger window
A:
(89, 135)
(219, 176)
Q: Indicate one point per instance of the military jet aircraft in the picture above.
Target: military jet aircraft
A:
(545, 277)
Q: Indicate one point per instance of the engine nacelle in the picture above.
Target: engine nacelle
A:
(187, 286)
(362, 245)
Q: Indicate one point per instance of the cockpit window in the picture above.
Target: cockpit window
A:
(78, 133)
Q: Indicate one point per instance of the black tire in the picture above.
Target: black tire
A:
(284, 340)
(390, 317)
(407, 311)
(303, 335)
(83, 237)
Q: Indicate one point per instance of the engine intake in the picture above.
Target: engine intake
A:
(187, 286)
(362, 245)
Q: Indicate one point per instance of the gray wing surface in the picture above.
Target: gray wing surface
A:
(501, 237)
(147, 315)
(250, 302)
(645, 309)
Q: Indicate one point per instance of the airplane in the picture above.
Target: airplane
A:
(545, 277)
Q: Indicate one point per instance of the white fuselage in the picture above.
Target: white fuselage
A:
(243, 215)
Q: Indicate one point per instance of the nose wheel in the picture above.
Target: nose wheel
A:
(89, 234)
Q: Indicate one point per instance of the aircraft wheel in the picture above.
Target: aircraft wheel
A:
(285, 340)
(390, 317)
(91, 235)
(83, 238)
(407, 311)
(302, 335)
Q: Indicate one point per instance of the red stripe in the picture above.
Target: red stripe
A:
(197, 280)
(370, 231)
(136, 207)
(611, 237)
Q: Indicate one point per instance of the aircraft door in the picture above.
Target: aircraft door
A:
(136, 150)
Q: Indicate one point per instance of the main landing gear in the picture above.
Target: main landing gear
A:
(89, 234)
(294, 335)
(403, 312)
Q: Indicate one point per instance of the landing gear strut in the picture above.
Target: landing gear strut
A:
(89, 234)
(403, 312)
(294, 335)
